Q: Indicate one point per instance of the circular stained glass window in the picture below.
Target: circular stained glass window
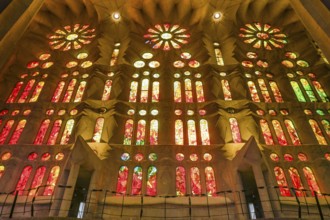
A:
(178, 112)
(24, 75)
(178, 64)
(86, 64)
(302, 157)
(284, 112)
(74, 111)
(111, 74)
(154, 64)
(154, 112)
(288, 157)
(81, 56)
(260, 112)
(131, 112)
(202, 112)
(75, 73)
(84, 76)
(207, 157)
(308, 112)
(142, 112)
(193, 157)
(177, 75)
(258, 73)
(194, 64)
(44, 56)
(269, 75)
(139, 64)
(262, 64)
(327, 156)
(15, 112)
(36, 73)
(312, 75)
(146, 73)
(302, 63)
(27, 112)
(45, 156)
(185, 55)
(291, 55)
(4, 112)
(59, 156)
(71, 64)
(32, 156)
(6, 156)
(247, 64)
(64, 75)
(156, 75)
(272, 112)
(248, 75)
(274, 157)
(320, 112)
(300, 73)
(44, 75)
(152, 157)
(61, 112)
(251, 55)
(287, 63)
(47, 65)
(179, 156)
(198, 75)
(187, 73)
(147, 56)
(190, 112)
(223, 74)
(125, 156)
(138, 157)
(135, 75)
(290, 75)
(32, 64)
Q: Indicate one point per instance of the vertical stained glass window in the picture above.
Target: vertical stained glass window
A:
(195, 182)
(178, 132)
(152, 181)
(276, 91)
(326, 125)
(313, 186)
(114, 57)
(122, 180)
(317, 132)
(155, 92)
(54, 132)
(37, 91)
(264, 90)
(180, 181)
(199, 91)
(58, 91)
(292, 132)
(141, 132)
(281, 181)
(210, 181)
(188, 90)
(295, 178)
(5, 131)
(23, 179)
(69, 90)
(51, 181)
(26, 91)
(144, 90)
(205, 136)
(192, 139)
(153, 139)
(236, 134)
(297, 91)
(107, 90)
(253, 91)
(67, 131)
(266, 132)
(218, 56)
(37, 180)
(15, 92)
(80, 91)
(137, 181)
(320, 91)
(98, 130)
(128, 132)
(279, 133)
(177, 92)
(226, 89)
(2, 170)
(133, 92)
(308, 90)
(18, 131)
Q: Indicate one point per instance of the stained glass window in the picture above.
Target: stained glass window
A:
(114, 56)
(264, 90)
(308, 90)
(98, 130)
(122, 180)
(54, 132)
(2, 170)
(292, 132)
(180, 181)
(23, 179)
(67, 131)
(210, 181)
(37, 180)
(236, 134)
(128, 132)
(218, 56)
(107, 90)
(279, 133)
(141, 132)
(317, 132)
(320, 91)
(178, 132)
(17, 132)
(281, 181)
(155, 92)
(226, 89)
(188, 90)
(14, 93)
(297, 91)
(152, 181)
(5, 131)
(153, 139)
(205, 136)
(195, 182)
(266, 132)
(58, 91)
(26, 91)
(326, 125)
(295, 178)
(51, 181)
(253, 91)
(276, 91)
(192, 140)
(144, 90)
(137, 181)
(313, 186)
(177, 92)
(37, 91)
(133, 91)
(199, 91)
(80, 91)
(69, 90)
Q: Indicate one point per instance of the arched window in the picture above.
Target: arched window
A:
(114, 55)
(67, 132)
(309, 90)
(152, 181)
(137, 181)
(80, 91)
(199, 91)
(235, 132)
(141, 132)
(266, 132)
(128, 132)
(69, 90)
(281, 181)
(133, 91)
(292, 132)
(178, 132)
(54, 132)
(218, 56)
(313, 186)
(279, 133)
(192, 139)
(37, 180)
(195, 181)
(144, 91)
(297, 91)
(326, 125)
(264, 90)
(253, 91)
(210, 181)
(295, 178)
(177, 92)
(155, 92)
(122, 180)
(180, 181)
(14, 93)
(188, 90)
(153, 138)
(26, 91)
(107, 90)
(320, 91)
(317, 132)
(5, 131)
(51, 181)
(58, 91)
(23, 179)
(226, 90)
(98, 130)
(276, 91)
(205, 136)
(17, 132)
(37, 91)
